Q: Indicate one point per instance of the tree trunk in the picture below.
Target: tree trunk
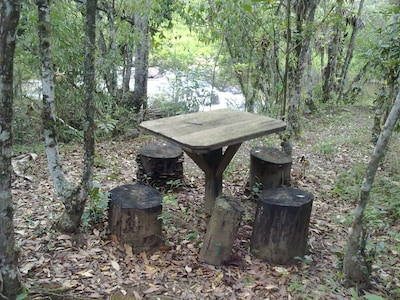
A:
(10, 281)
(309, 101)
(141, 63)
(285, 82)
(88, 95)
(127, 71)
(305, 14)
(333, 52)
(113, 52)
(75, 204)
(73, 198)
(355, 265)
(350, 50)
(109, 53)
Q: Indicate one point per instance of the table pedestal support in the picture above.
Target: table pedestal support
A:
(213, 164)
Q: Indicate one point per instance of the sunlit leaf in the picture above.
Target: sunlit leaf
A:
(247, 7)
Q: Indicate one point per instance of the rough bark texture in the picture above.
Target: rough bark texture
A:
(280, 229)
(221, 232)
(133, 218)
(355, 266)
(10, 281)
(269, 168)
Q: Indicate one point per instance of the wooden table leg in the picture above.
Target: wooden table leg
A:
(213, 164)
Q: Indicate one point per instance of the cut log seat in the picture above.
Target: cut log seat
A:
(158, 163)
(133, 216)
(280, 229)
(269, 168)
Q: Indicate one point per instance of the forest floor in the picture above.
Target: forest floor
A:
(328, 161)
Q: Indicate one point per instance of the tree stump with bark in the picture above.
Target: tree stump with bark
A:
(280, 229)
(269, 168)
(158, 163)
(222, 230)
(133, 216)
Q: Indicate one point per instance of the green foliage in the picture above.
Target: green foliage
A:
(96, 206)
(22, 296)
(106, 125)
(384, 199)
(347, 184)
(297, 287)
(387, 198)
(170, 200)
(380, 46)
(179, 48)
(326, 148)
(173, 185)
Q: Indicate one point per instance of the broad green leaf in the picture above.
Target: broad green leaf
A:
(247, 7)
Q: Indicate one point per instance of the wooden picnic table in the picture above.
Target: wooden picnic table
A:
(204, 135)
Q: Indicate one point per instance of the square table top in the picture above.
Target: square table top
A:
(202, 132)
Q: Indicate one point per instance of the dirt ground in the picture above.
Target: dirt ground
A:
(90, 265)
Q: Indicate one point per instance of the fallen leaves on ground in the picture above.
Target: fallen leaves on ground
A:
(94, 265)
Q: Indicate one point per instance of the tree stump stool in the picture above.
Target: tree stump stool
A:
(269, 168)
(222, 231)
(280, 229)
(158, 163)
(133, 216)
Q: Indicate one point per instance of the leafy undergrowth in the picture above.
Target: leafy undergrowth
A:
(328, 161)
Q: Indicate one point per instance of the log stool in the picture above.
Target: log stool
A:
(133, 216)
(269, 167)
(280, 229)
(158, 163)
(222, 231)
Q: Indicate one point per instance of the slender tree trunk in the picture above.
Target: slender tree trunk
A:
(71, 219)
(304, 12)
(128, 59)
(63, 188)
(355, 266)
(73, 197)
(10, 281)
(49, 110)
(287, 59)
(350, 50)
(109, 52)
(89, 107)
(333, 52)
(113, 51)
(141, 62)
(309, 99)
